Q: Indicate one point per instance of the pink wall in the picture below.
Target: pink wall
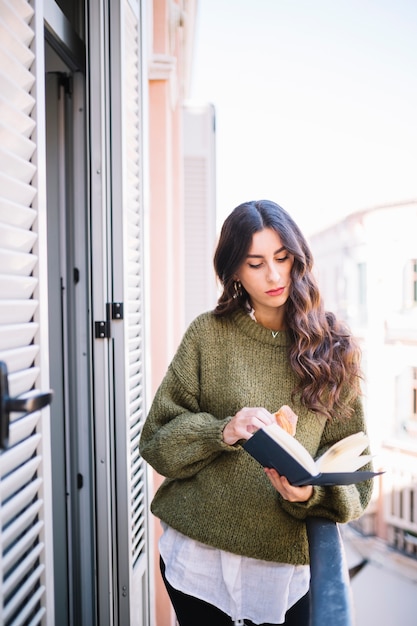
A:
(167, 78)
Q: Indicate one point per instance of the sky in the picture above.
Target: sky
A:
(316, 103)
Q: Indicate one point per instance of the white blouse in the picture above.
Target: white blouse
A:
(241, 587)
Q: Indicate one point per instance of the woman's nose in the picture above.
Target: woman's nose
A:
(273, 273)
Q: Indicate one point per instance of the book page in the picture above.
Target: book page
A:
(345, 455)
(293, 447)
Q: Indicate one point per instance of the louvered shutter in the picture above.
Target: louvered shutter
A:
(25, 566)
(199, 209)
(127, 219)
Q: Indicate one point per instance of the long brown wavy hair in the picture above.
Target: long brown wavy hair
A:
(322, 353)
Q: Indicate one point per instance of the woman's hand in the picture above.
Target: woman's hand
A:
(287, 491)
(246, 421)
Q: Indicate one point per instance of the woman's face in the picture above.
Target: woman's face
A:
(266, 273)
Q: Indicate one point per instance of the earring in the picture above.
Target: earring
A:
(237, 286)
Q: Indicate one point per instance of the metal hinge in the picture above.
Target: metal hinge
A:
(114, 311)
(102, 330)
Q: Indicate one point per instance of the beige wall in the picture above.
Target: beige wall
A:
(173, 26)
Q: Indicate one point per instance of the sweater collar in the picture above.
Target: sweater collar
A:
(258, 332)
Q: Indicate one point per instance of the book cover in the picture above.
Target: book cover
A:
(273, 447)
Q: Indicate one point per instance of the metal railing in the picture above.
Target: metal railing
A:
(330, 593)
(394, 516)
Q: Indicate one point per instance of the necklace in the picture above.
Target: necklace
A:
(274, 333)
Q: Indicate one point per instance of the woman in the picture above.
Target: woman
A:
(234, 547)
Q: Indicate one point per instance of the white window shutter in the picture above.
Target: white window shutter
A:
(22, 530)
(199, 209)
(134, 291)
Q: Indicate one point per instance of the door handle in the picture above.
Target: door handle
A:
(26, 403)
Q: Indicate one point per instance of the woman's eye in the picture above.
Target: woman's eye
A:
(255, 266)
(282, 259)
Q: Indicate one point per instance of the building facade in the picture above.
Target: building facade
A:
(366, 265)
(367, 269)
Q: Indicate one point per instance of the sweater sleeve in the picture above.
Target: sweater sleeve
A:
(340, 503)
(178, 439)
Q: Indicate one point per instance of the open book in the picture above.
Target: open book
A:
(273, 447)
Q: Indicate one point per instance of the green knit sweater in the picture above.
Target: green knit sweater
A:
(216, 493)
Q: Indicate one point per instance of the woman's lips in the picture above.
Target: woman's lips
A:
(276, 292)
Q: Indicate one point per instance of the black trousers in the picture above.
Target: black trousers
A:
(191, 611)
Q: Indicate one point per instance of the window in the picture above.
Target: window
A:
(410, 284)
(414, 280)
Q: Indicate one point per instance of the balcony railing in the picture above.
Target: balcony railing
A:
(330, 595)
(392, 517)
